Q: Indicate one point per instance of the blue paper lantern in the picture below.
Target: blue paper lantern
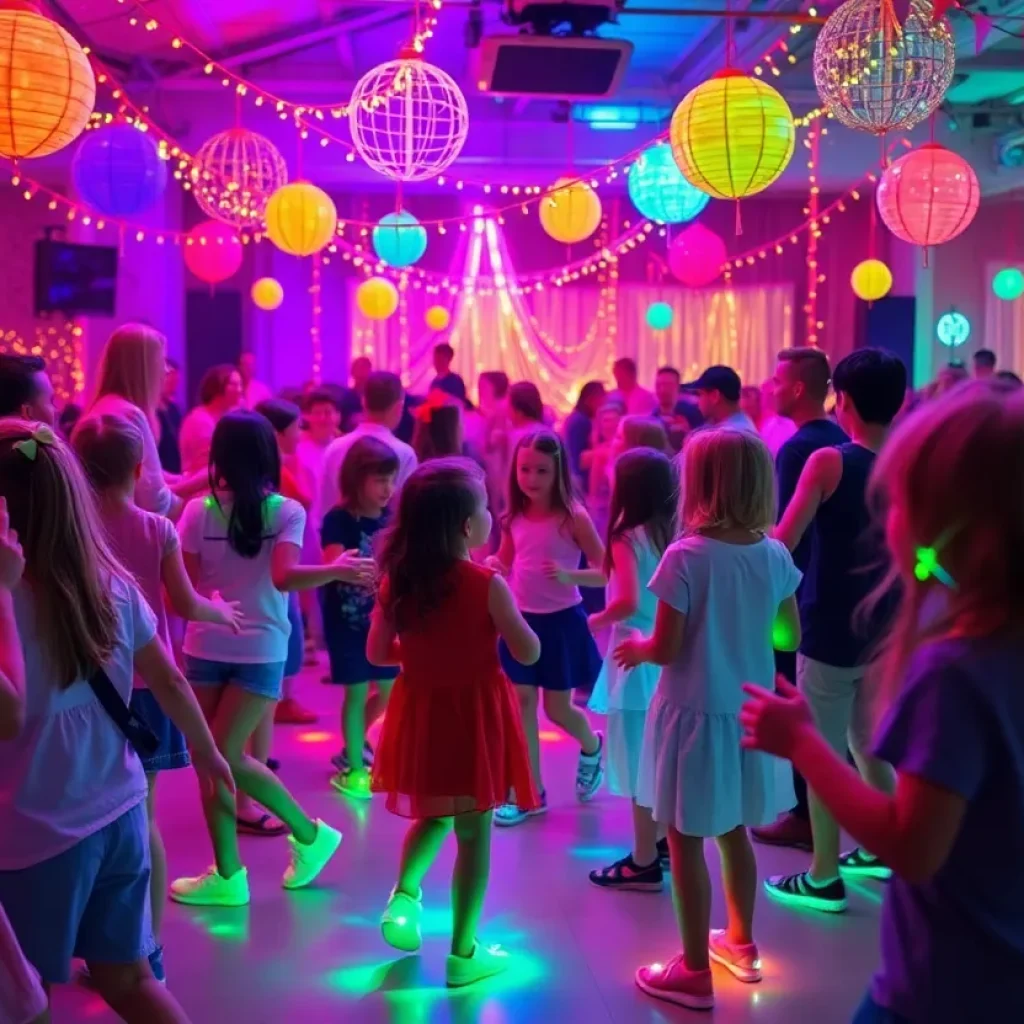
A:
(659, 316)
(953, 329)
(659, 190)
(118, 171)
(399, 239)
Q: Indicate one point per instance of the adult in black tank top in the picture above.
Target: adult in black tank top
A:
(847, 563)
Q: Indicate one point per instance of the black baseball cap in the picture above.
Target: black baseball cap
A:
(723, 379)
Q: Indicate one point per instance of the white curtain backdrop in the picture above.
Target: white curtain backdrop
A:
(1004, 325)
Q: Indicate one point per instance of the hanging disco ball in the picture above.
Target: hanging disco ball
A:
(118, 171)
(877, 76)
(659, 190)
(234, 174)
(408, 119)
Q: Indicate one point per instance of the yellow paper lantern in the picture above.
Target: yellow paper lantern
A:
(570, 213)
(437, 318)
(301, 218)
(871, 280)
(732, 136)
(47, 88)
(267, 293)
(377, 298)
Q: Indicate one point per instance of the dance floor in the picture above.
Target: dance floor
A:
(317, 955)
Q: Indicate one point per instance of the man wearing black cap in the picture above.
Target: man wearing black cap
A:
(718, 398)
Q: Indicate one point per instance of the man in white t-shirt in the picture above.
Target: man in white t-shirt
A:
(636, 400)
(253, 391)
(383, 398)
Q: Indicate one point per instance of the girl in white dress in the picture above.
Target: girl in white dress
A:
(641, 526)
(725, 590)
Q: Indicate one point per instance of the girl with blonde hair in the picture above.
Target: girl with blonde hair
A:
(723, 588)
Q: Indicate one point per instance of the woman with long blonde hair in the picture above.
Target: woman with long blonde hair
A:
(129, 381)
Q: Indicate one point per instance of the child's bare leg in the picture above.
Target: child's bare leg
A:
(469, 879)
(691, 886)
(739, 877)
(419, 851)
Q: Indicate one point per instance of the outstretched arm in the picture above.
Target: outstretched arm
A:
(817, 483)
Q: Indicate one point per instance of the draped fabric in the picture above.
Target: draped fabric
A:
(1004, 324)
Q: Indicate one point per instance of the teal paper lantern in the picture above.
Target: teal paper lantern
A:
(399, 239)
(659, 316)
(953, 329)
(659, 190)
(117, 171)
(1008, 284)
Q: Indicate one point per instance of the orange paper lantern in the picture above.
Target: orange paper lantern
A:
(47, 88)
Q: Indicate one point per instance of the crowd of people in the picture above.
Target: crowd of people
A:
(729, 575)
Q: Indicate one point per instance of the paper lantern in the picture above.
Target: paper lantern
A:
(399, 239)
(659, 190)
(570, 212)
(928, 196)
(696, 256)
(871, 280)
(732, 136)
(377, 298)
(234, 174)
(47, 88)
(267, 293)
(1008, 284)
(659, 316)
(301, 218)
(408, 119)
(213, 251)
(953, 329)
(118, 171)
(876, 76)
(438, 318)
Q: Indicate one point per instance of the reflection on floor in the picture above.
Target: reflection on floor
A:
(316, 955)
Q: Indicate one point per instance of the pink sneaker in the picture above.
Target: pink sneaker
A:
(675, 984)
(742, 960)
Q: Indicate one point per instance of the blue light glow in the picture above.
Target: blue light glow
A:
(953, 329)
(659, 190)
(399, 239)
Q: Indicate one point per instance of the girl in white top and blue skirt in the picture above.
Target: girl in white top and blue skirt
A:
(544, 533)
(641, 526)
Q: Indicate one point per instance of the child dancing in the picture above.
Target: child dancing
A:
(74, 849)
(953, 833)
(720, 589)
(452, 743)
(243, 540)
(544, 533)
(366, 484)
(641, 527)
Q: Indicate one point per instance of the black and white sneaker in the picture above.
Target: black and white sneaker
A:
(341, 762)
(801, 891)
(590, 772)
(663, 854)
(861, 864)
(627, 875)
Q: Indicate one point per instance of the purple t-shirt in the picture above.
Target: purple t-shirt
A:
(953, 947)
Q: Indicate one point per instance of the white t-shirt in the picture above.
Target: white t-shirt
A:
(730, 595)
(263, 639)
(70, 772)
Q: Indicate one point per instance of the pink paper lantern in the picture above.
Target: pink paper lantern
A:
(697, 256)
(213, 251)
(928, 196)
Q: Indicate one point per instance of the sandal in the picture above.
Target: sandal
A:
(260, 826)
(629, 876)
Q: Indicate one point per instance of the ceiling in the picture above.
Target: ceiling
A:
(314, 50)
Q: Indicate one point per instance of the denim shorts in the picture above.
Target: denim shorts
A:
(173, 750)
(91, 901)
(262, 679)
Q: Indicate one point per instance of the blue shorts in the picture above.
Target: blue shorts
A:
(296, 638)
(262, 679)
(91, 901)
(173, 751)
(568, 655)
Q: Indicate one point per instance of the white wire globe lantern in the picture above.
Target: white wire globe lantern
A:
(877, 76)
(234, 174)
(408, 119)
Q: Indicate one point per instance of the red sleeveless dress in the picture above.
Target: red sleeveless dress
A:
(452, 740)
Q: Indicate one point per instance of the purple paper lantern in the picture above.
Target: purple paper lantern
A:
(697, 256)
(117, 171)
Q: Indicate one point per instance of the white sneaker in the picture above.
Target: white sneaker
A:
(400, 922)
(212, 890)
(308, 861)
(590, 772)
(485, 962)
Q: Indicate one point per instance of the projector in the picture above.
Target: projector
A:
(551, 67)
(573, 18)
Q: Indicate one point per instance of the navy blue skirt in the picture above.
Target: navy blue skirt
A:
(346, 649)
(296, 638)
(569, 658)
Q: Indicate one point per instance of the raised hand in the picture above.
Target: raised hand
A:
(352, 568)
(773, 722)
(229, 612)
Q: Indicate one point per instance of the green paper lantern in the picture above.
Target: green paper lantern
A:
(659, 316)
(1008, 284)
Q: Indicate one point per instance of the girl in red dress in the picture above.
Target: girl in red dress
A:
(452, 743)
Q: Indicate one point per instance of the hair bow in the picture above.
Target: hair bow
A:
(29, 447)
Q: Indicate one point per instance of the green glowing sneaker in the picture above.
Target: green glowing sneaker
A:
(861, 864)
(800, 891)
(354, 782)
(307, 861)
(400, 922)
(486, 962)
(212, 890)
